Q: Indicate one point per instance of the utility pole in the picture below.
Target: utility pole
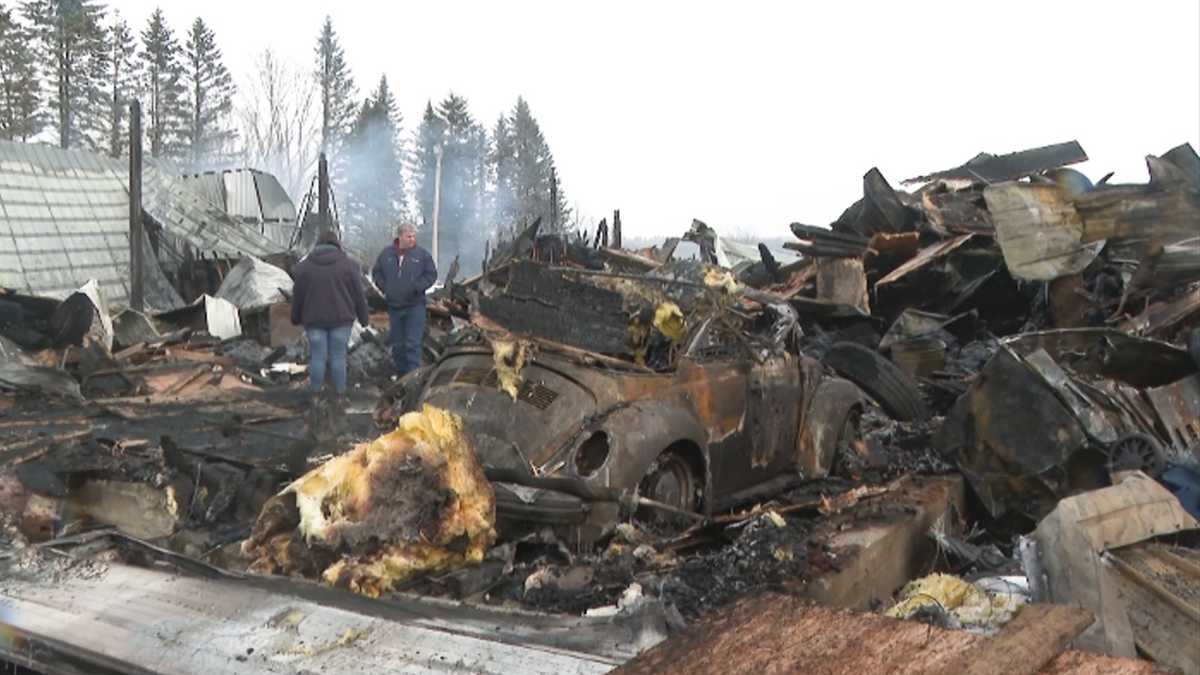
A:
(437, 200)
(137, 260)
(553, 200)
(323, 191)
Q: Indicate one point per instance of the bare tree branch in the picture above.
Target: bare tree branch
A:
(281, 122)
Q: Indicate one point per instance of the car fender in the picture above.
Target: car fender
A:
(822, 423)
(639, 432)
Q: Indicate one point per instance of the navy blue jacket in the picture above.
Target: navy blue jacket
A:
(404, 286)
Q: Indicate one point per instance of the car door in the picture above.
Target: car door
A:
(764, 445)
(772, 395)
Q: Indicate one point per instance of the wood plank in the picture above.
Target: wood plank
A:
(200, 357)
(187, 379)
(1030, 641)
(15, 453)
(129, 352)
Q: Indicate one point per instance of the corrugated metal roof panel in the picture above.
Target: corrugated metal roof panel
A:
(64, 218)
(276, 205)
(241, 196)
(210, 186)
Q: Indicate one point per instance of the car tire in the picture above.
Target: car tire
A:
(1194, 346)
(849, 433)
(671, 479)
(891, 387)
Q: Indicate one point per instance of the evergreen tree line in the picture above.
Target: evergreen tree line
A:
(70, 68)
(491, 181)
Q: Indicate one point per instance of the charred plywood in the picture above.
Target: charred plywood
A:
(1070, 561)
(925, 257)
(959, 211)
(1039, 231)
(543, 302)
(1160, 586)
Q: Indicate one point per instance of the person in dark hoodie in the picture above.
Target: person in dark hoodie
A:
(327, 296)
(404, 271)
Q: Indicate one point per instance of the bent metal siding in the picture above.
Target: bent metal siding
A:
(64, 219)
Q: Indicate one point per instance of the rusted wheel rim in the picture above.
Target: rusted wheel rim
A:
(671, 482)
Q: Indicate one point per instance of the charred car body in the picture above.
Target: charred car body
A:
(570, 436)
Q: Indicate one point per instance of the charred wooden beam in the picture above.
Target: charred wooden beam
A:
(985, 168)
(1161, 213)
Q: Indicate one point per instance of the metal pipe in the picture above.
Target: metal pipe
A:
(137, 259)
(323, 191)
(437, 201)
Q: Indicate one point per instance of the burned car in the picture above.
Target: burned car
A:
(579, 442)
(575, 438)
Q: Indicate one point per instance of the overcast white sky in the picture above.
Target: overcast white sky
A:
(751, 115)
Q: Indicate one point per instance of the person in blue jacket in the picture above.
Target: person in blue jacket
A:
(403, 272)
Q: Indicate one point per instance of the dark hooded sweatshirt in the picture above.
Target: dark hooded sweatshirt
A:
(328, 290)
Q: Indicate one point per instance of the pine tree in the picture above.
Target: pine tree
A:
(122, 83)
(464, 156)
(338, 109)
(210, 91)
(502, 169)
(534, 176)
(428, 137)
(19, 100)
(68, 40)
(375, 196)
(165, 105)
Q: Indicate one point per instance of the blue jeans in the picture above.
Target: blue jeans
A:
(406, 331)
(327, 348)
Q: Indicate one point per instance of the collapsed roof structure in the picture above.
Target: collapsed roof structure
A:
(250, 197)
(64, 219)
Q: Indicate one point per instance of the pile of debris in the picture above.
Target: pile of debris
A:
(956, 394)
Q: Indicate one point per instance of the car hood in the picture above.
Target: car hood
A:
(550, 408)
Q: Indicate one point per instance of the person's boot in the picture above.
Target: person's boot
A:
(340, 409)
(317, 416)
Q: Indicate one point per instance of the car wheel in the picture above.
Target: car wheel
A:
(846, 450)
(891, 387)
(672, 480)
(1137, 452)
(1194, 345)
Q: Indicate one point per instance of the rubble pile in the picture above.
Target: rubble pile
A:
(763, 552)
(990, 382)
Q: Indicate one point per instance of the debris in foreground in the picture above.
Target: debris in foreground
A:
(961, 603)
(772, 632)
(1094, 551)
(414, 500)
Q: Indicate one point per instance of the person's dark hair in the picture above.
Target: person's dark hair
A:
(328, 235)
